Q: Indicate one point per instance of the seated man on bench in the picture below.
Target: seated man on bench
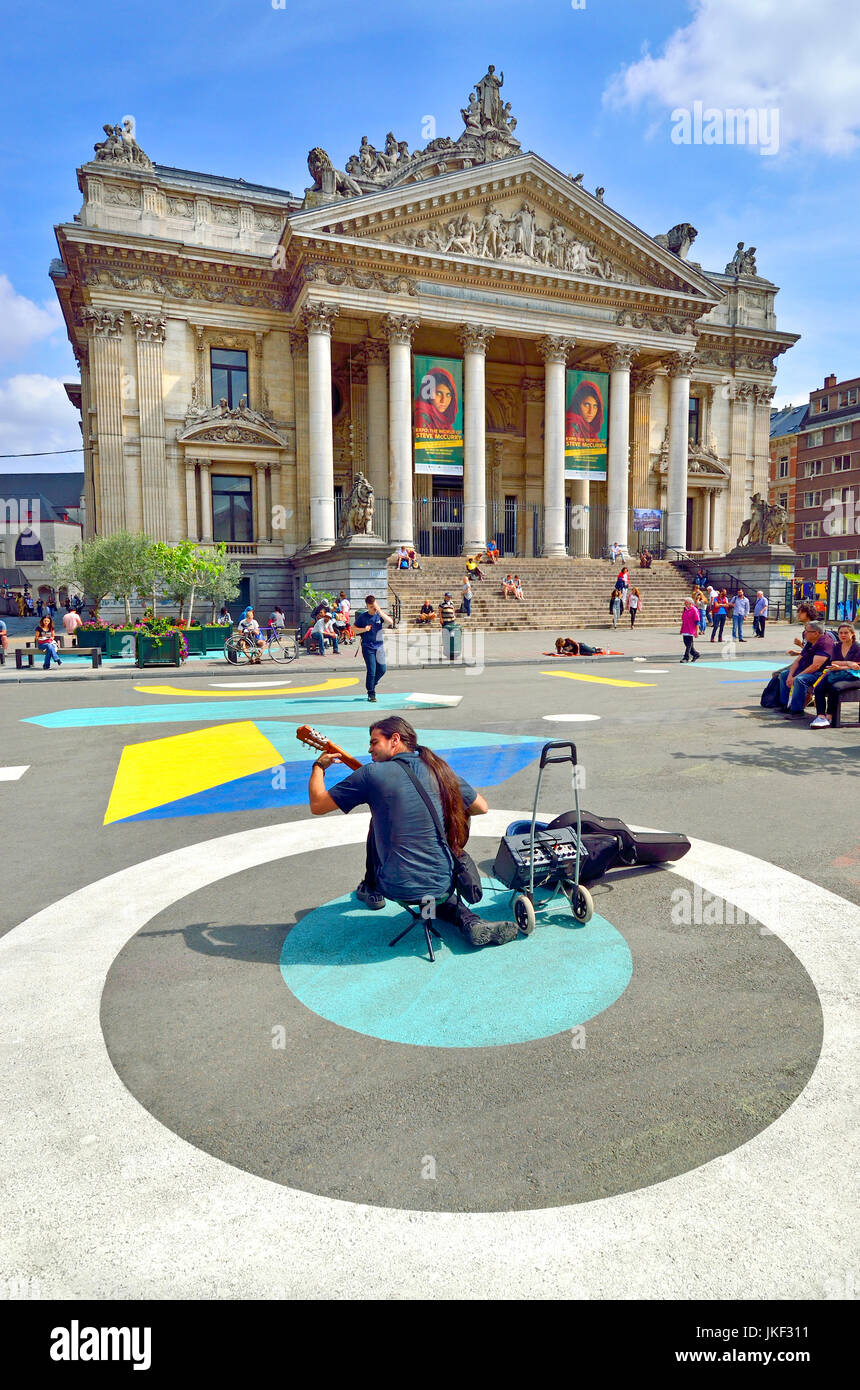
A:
(406, 860)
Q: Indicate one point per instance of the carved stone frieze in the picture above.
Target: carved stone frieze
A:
(172, 287)
(659, 323)
(119, 195)
(180, 207)
(346, 275)
(239, 425)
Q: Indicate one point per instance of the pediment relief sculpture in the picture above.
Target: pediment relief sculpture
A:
(223, 425)
(517, 236)
(701, 459)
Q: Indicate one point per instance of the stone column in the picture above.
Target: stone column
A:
(106, 375)
(199, 390)
(376, 354)
(706, 519)
(318, 320)
(400, 330)
(761, 438)
(473, 340)
(192, 525)
(712, 519)
(154, 486)
(676, 489)
(299, 360)
(205, 502)
(737, 499)
(641, 383)
(261, 506)
(554, 350)
(277, 514)
(618, 491)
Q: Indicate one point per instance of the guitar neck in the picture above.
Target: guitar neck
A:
(313, 739)
(346, 758)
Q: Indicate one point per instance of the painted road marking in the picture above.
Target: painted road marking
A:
(338, 962)
(570, 718)
(732, 664)
(595, 680)
(714, 1221)
(170, 769)
(249, 685)
(12, 774)
(203, 710)
(334, 683)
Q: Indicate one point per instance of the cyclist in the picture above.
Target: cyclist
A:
(251, 636)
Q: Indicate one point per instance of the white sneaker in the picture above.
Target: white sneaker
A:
(820, 722)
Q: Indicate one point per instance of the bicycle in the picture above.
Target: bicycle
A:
(277, 646)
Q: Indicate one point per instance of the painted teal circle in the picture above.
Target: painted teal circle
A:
(338, 963)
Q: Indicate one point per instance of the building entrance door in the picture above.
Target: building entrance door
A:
(447, 518)
(689, 541)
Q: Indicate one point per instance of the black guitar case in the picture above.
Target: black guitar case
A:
(633, 847)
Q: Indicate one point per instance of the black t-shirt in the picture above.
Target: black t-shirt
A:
(426, 608)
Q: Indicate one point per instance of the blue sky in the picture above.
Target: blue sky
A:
(245, 89)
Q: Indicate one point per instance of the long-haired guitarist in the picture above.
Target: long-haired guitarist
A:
(405, 856)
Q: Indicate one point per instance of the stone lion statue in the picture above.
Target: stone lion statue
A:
(766, 525)
(678, 239)
(357, 518)
(776, 525)
(327, 179)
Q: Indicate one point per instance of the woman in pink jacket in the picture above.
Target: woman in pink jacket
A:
(689, 628)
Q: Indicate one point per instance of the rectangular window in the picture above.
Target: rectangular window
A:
(814, 438)
(783, 467)
(810, 562)
(812, 499)
(232, 509)
(837, 555)
(823, 404)
(695, 419)
(229, 376)
(811, 530)
(783, 500)
(842, 463)
(837, 524)
(841, 433)
(813, 468)
(848, 397)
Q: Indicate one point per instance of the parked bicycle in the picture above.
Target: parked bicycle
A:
(278, 646)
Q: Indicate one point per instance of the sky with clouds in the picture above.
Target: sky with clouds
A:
(246, 87)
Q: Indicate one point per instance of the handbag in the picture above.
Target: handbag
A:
(770, 695)
(466, 878)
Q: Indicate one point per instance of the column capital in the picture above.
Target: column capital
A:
(474, 337)
(680, 364)
(533, 388)
(319, 318)
(375, 351)
(204, 463)
(298, 343)
(620, 357)
(744, 391)
(764, 394)
(554, 347)
(261, 465)
(105, 323)
(641, 381)
(399, 328)
(148, 328)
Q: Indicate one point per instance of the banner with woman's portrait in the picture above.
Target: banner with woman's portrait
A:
(586, 425)
(437, 415)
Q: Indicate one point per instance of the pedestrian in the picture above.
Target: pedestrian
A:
(225, 618)
(615, 552)
(46, 641)
(467, 597)
(40, 609)
(797, 680)
(322, 629)
(446, 611)
(518, 588)
(623, 580)
(719, 613)
(4, 642)
(615, 604)
(760, 613)
(702, 605)
(369, 626)
(843, 670)
(634, 605)
(689, 629)
(740, 610)
(71, 623)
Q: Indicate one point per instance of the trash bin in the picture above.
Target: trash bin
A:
(452, 640)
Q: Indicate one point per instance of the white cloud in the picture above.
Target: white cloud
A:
(799, 58)
(22, 322)
(35, 414)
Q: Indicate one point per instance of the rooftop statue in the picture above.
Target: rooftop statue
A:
(121, 147)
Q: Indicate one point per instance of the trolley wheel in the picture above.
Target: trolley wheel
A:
(581, 904)
(524, 914)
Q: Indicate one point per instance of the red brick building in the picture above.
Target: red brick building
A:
(827, 503)
(782, 483)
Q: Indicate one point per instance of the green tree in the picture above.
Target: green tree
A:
(117, 565)
(184, 569)
(221, 581)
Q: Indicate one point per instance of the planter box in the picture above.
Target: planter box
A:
(120, 643)
(158, 651)
(96, 637)
(195, 637)
(214, 636)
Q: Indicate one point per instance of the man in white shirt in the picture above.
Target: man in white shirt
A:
(760, 613)
(322, 629)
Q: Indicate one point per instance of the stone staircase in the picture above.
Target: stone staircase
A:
(559, 594)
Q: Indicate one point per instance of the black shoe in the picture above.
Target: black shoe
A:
(696, 657)
(372, 699)
(374, 901)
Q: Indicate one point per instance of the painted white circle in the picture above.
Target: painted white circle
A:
(175, 1210)
(247, 685)
(570, 718)
(640, 658)
(655, 670)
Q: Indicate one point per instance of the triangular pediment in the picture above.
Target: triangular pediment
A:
(517, 214)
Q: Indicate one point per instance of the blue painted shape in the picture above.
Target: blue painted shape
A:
(745, 680)
(223, 711)
(337, 962)
(353, 738)
(739, 665)
(287, 785)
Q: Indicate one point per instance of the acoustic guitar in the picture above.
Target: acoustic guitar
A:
(314, 739)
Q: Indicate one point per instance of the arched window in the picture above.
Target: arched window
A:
(28, 548)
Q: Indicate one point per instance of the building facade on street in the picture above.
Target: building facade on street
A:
(785, 426)
(41, 515)
(827, 514)
(244, 352)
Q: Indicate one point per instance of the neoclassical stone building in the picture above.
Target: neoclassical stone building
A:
(244, 352)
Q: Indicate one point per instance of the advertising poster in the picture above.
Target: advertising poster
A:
(646, 519)
(437, 415)
(586, 425)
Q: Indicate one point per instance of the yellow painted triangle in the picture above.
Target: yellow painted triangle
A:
(595, 680)
(333, 683)
(167, 769)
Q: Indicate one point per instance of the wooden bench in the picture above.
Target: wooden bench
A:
(846, 694)
(30, 651)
